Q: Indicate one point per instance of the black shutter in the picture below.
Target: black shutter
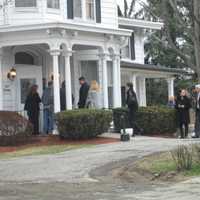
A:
(70, 9)
(98, 11)
(132, 43)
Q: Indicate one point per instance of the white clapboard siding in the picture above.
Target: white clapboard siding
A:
(109, 13)
(41, 13)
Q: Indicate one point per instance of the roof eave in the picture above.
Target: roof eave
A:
(143, 24)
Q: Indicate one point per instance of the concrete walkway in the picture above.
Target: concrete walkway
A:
(66, 175)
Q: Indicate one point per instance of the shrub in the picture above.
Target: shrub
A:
(14, 128)
(183, 157)
(83, 123)
(152, 119)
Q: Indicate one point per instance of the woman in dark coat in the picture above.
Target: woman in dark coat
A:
(132, 104)
(183, 105)
(32, 106)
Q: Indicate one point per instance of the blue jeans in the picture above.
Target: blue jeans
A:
(48, 121)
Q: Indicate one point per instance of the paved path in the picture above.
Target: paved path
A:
(66, 175)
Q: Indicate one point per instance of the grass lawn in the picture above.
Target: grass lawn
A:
(41, 150)
(163, 164)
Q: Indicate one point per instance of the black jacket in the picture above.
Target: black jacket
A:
(83, 94)
(32, 104)
(183, 105)
(132, 95)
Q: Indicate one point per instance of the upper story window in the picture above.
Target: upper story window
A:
(90, 9)
(84, 9)
(77, 7)
(128, 52)
(26, 3)
(55, 4)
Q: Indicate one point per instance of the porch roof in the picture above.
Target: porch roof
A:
(131, 23)
(68, 26)
(155, 68)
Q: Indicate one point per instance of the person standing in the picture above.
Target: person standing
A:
(94, 96)
(197, 111)
(83, 92)
(48, 106)
(183, 105)
(32, 106)
(63, 96)
(132, 104)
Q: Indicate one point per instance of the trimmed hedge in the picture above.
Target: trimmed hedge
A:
(83, 123)
(152, 119)
(14, 129)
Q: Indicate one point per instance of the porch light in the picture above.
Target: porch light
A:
(12, 74)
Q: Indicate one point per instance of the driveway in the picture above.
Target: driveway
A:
(74, 174)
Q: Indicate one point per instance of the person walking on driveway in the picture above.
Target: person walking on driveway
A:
(48, 105)
(132, 104)
(32, 106)
(183, 105)
(83, 92)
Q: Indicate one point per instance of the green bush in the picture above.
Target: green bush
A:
(83, 123)
(14, 129)
(152, 119)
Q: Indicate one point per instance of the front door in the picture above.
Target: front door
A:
(27, 75)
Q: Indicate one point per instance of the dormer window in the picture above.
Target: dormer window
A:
(25, 3)
(55, 4)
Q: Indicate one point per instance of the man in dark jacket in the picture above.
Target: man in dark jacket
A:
(197, 107)
(132, 104)
(83, 93)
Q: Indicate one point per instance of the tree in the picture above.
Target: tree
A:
(179, 41)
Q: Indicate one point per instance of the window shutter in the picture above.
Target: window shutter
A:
(70, 9)
(98, 11)
(132, 46)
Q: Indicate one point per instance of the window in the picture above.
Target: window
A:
(90, 9)
(77, 8)
(53, 4)
(25, 3)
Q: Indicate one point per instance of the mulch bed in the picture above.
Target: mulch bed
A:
(55, 140)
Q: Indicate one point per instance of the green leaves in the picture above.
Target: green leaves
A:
(83, 123)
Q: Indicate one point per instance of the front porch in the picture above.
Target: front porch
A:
(54, 54)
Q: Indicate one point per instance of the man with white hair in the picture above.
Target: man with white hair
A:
(197, 121)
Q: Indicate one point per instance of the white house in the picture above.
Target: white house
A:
(69, 39)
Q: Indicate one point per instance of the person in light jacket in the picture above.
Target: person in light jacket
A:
(94, 96)
(48, 105)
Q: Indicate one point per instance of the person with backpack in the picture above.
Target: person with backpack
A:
(132, 104)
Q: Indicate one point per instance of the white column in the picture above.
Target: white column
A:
(116, 85)
(142, 92)
(1, 81)
(103, 62)
(119, 82)
(134, 81)
(68, 86)
(56, 85)
(170, 82)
